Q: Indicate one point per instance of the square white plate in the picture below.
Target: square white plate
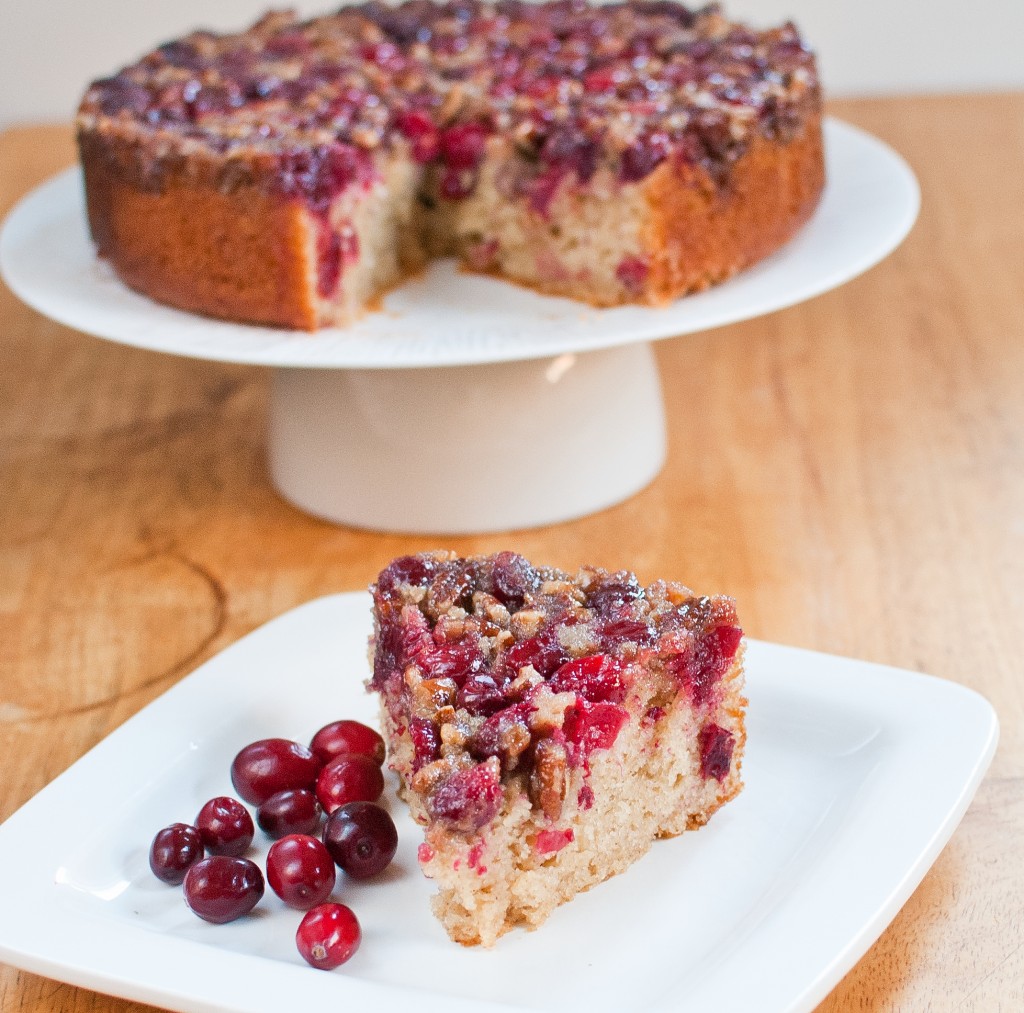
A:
(856, 777)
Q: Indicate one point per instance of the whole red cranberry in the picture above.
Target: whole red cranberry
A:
(289, 812)
(328, 936)
(174, 849)
(300, 871)
(221, 888)
(268, 766)
(225, 826)
(349, 779)
(345, 737)
(362, 839)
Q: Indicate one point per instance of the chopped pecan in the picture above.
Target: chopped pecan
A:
(547, 780)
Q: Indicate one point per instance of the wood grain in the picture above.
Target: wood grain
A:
(852, 470)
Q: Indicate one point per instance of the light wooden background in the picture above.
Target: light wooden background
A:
(852, 470)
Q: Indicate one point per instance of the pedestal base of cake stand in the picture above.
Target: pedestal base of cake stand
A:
(468, 449)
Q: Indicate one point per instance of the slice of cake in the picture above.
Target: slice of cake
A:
(291, 173)
(547, 728)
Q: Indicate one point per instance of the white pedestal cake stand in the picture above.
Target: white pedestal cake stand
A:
(466, 404)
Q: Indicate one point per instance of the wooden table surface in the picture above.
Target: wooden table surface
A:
(852, 470)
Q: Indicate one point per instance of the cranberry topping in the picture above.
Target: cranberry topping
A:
(426, 741)
(505, 735)
(469, 799)
(421, 131)
(615, 632)
(716, 745)
(543, 652)
(597, 678)
(701, 667)
(512, 578)
(590, 726)
(571, 151)
(526, 671)
(575, 85)
(613, 593)
(462, 145)
(318, 174)
(481, 694)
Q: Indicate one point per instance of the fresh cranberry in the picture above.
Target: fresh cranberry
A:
(268, 766)
(349, 779)
(590, 726)
(470, 798)
(174, 849)
(295, 811)
(462, 145)
(221, 888)
(346, 737)
(361, 838)
(596, 678)
(328, 936)
(716, 745)
(225, 826)
(426, 742)
(300, 871)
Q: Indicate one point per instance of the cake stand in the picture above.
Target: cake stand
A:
(466, 404)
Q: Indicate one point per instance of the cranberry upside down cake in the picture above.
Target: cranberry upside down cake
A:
(291, 173)
(547, 728)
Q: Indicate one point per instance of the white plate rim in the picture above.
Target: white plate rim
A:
(30, 940)
(522, 325)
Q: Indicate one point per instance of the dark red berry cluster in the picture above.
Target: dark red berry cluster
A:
(292, 787)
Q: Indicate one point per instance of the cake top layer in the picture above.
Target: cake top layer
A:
(498, 668)
(571, 84)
